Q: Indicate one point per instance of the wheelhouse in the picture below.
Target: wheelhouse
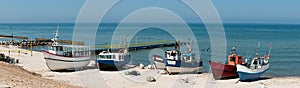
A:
(112, 56)
(70, 51)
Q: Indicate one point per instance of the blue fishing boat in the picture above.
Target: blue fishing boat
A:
(177, 62)
(107, 59)
(253, 71)
(113, 58)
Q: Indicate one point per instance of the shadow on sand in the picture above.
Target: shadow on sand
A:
(95, 67)
(73, 70)
(261, 78)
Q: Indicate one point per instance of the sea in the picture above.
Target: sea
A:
(246, 37)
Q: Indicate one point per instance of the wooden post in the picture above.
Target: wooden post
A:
(31, 47)
(19, 52)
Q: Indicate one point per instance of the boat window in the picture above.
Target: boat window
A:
(113, 57)
(188, 58)
(108, 56)
(121, 57)
(58, 48)
(173, 54)
(232, 58)
(53, 48)
(50, 48)
(101, 56)
(255, 62)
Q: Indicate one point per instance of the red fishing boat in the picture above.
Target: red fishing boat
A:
(228, 70)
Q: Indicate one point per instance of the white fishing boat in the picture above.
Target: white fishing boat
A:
(253, 71)
(66, 57)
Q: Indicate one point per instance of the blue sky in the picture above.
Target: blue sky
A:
(234, 11)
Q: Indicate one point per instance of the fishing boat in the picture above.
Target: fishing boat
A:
(177, 62)
(66, 57)
(115, 58)
(227, 70)
(254, 71)
(258, 66)
(159, 62)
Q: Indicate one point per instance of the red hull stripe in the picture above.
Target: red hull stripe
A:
(227, 71)
(64, 56)
(66, 60)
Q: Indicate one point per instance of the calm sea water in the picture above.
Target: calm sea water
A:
(285, 53)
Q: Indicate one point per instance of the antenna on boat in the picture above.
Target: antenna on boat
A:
(257, 48)
(270, 49)
(268, 55)
(125, 50)
(177, 45)
(247, 57)
(189, 46)
(56, 36)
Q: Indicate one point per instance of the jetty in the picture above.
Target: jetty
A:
(134, 46)
(11, 36)
(36, 42)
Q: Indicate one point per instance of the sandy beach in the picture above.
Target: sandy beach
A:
(32, 71)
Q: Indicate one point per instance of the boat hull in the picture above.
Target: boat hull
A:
(223, 71)
(159, 62)
(249, 74)
(174, 66)
(112, 63)
(65, 63)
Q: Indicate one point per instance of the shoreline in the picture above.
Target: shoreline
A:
(92, 77)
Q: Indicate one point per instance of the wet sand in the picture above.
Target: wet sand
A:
(36, 74)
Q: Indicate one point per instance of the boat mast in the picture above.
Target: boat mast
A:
(257, 49)
(56, 36)
(126, 44)
(189, 46)
(177, 45)
(270, 49)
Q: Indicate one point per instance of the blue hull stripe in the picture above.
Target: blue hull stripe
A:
(113, 63)
(249, 76)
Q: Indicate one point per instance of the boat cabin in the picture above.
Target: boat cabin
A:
(69, 51)
(234, 58)
(257, 62)
(172, 55)
(105, 55)
(188, 57)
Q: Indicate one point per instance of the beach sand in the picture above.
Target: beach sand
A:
(38, 75)
(16, 77)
